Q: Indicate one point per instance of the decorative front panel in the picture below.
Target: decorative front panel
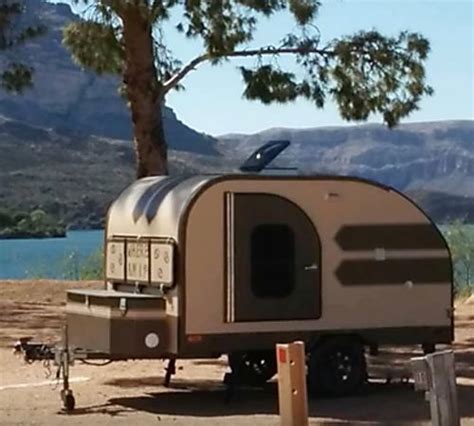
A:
(144, 261)
(115, 268)
(161, 263)
(138, 260)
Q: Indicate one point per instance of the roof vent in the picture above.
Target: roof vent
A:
(263, 156)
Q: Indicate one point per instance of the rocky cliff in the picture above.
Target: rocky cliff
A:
(436, 156)
(67, 98)
(70, 175)
(75, 177)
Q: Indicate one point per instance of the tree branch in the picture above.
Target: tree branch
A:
(266, 51)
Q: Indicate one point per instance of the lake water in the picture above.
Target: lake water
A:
(55, 257)
(47, 258)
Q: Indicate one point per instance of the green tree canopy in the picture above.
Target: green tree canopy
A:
(364, 73)
(15, 76)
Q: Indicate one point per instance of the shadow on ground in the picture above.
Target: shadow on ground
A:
(377, 403)
(107, 409)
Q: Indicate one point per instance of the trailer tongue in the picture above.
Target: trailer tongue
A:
(63, 356)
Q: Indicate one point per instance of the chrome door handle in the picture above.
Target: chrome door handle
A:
(312, 267)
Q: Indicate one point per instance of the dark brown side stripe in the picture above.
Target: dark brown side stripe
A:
(390, 237)
(394, 271)
(225, 343)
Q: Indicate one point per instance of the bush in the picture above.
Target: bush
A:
(38, 216)
(71, 267)
(37, 224)
(92, 267)
(6, 220)
(460, 238)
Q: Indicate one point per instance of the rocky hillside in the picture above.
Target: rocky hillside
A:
(67, 98)
(71, 175)
(75, 177)
(436, 156)
(443, 207)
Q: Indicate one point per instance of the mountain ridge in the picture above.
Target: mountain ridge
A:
(433, 123)
(435, 156)
(76, 177)
(68, 98)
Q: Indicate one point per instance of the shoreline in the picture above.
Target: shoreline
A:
(30, 236)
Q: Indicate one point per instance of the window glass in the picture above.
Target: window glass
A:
(272, 258)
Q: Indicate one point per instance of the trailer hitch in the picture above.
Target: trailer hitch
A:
(32, 352)
(62, 356)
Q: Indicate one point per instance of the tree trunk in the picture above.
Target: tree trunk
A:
(144, 94)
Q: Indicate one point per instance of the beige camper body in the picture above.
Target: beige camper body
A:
(206, 265)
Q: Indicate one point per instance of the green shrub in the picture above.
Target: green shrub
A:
(38, 216)
(6, 219)
(72, 267)
(460, 238)
(29, 225)
(19, 216)
(92, 267)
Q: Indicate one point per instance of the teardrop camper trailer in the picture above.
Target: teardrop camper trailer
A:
(233, 264)
(200, 266)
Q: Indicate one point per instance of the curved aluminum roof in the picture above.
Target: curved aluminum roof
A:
(152, 206)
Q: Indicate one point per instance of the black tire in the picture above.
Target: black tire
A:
(337, 367)
(69, 402)
(253, 368)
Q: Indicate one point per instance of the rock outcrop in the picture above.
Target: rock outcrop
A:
(437, 156)
(70, 99)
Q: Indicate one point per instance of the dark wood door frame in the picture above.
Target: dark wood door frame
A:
(246, 211)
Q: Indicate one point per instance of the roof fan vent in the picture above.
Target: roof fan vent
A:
(263, 156)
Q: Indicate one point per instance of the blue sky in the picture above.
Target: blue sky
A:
(213, 103)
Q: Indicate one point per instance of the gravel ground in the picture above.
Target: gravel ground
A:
(132, 393)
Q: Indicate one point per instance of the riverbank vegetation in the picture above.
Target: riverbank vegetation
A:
(34, 224)
(460, 238)
(72, 266)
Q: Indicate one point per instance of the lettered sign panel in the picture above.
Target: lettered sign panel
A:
(138, 261)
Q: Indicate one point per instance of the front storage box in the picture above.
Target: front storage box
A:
(120, 325)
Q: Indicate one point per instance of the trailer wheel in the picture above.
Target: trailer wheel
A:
(69, 402)
(253, 368)
(337, 367)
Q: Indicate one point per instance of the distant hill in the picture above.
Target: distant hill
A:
(67, 98)
(444, 207)
(75, 177)
(71, 175)
(65, 145)
(437, 156)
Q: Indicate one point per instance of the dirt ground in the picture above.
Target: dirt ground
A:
(132, 393)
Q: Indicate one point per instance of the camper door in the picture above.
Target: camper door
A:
(273, 267)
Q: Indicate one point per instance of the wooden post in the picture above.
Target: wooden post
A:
(443, 395)
(435, 374)
(292, 394)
